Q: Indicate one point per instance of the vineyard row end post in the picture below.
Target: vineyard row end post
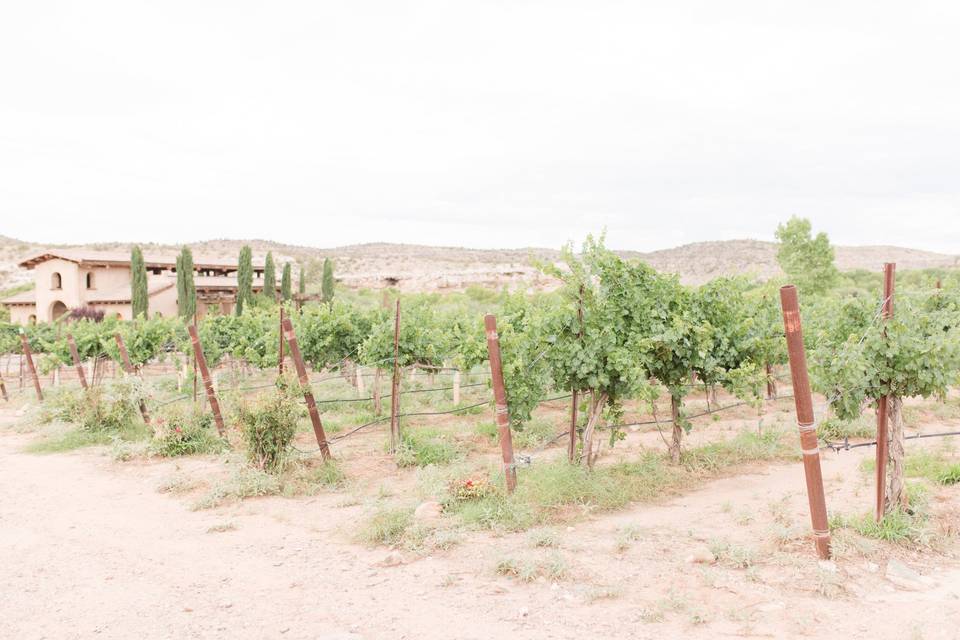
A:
(395, 385)
(25, 344)
(128, 368)
(291, 337)
(200, 362)
(75, 354)
(500, 399)
(883, 402)
(803, 400)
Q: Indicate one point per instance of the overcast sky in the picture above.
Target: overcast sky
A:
(484, 124)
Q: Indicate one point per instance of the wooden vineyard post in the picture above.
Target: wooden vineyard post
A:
(358, 370)
(3, 389)
(456, 388)
(883, 443)
(395, 387)
(803, 400)
(30, 367)
(128, 368)
(377, 403)
(195, 360)
(291, 337)
(500, 398)
(76, 361)
(280, 358)
(572, 441)
(200, 362)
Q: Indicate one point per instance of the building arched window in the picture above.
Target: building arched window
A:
(89, 280)
(32, 319)
(56, 282)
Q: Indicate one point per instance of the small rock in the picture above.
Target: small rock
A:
(226, 605)
(498, 590)
(871, 567)
(393, 559)
(904, 577)
(524, 612)
(428, 511)
(827, 565)
(701, 555)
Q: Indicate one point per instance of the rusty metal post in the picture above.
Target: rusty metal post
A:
(805, 420)
(883, 444)
(280, 358)
(500, 397)
(76, 361)
(200, 361)
(291, 337)
(395, 387)
(128, 368)
(30, 367)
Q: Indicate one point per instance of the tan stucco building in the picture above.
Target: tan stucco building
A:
(65, 280)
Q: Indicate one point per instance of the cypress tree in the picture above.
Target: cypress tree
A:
(244, 279)
(139, 296)
(286, 288)
(188, 306)
(181, 287)
(327, 285)
(270, 279)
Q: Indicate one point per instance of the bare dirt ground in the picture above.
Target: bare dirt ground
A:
(90, 548)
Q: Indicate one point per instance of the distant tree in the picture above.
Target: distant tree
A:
(270, 279)
(186, 288)
(139, 295)
(286, 286)
(326, 288)
(302, 286)
(181, 286)
(244, 279)
(807, 260)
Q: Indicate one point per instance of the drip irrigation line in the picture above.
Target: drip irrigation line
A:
(386, 418)
(846, 446)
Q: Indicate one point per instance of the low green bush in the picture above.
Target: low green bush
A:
(269, 425)
(184, 433)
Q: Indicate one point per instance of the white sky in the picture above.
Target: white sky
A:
(482, 123)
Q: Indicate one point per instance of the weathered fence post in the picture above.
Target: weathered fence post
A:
(883, 405)
(128, 368)
(395, 387)
(200, 361)
(572, 441)
(195, 361)
(280, 357)
(30, 367)
(803, 400)
(377, 402)
(360, 386)
(500, 397)
(76, 361)
(3, 389)
(456, 387)
(291, 337)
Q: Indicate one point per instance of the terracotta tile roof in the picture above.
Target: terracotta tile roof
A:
(120, 258)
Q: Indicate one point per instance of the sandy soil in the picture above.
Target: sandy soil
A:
(90, 548)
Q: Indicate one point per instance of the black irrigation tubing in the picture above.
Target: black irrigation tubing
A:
(401, 415)
(846, 446)
(696, 415)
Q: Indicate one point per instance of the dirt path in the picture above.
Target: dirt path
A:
(89, 548)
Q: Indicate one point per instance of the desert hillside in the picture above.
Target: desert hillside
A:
(425, 268)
